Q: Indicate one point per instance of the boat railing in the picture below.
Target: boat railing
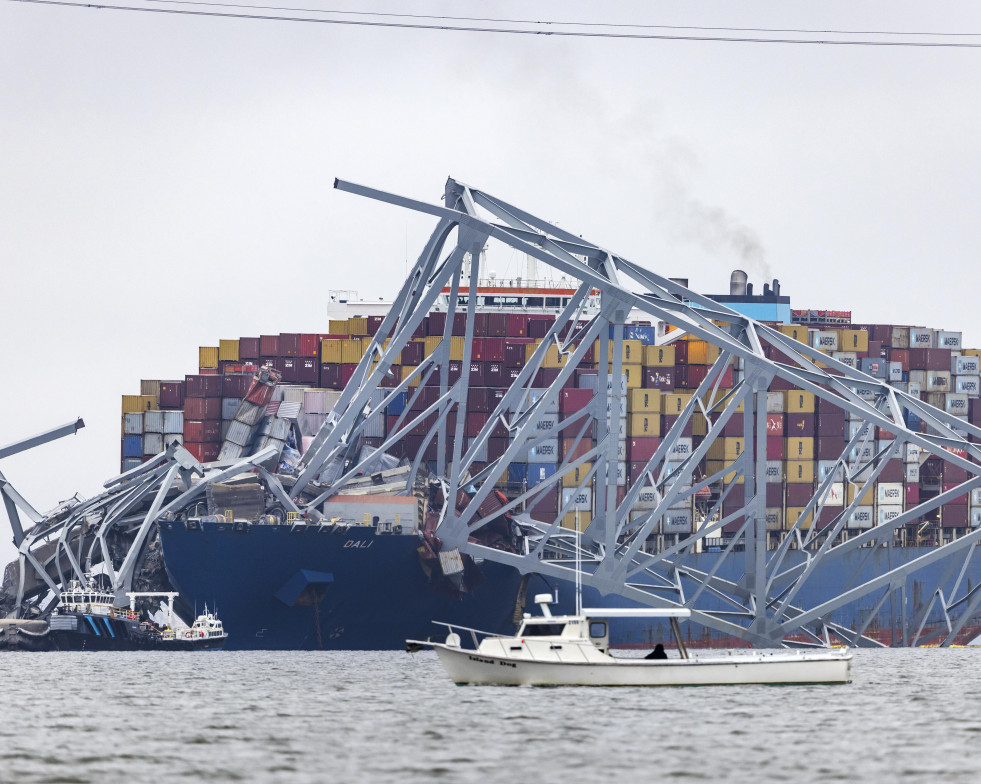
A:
(455, 628)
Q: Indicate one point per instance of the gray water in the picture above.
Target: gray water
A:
(909, 715)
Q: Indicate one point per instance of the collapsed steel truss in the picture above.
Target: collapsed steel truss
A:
(763, 606)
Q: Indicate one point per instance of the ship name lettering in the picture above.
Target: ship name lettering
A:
(357, 543)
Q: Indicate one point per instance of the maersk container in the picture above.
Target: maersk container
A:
(951, 340)
(974, 516)
(580, 500)
(938, 381)
(677, 521)
(849, 358)
(889, 493)
(968, 385)
(964, 365)
(825, 340)
(920, 337)
(886, 513)
(957, 404)
(539, 472)
(862, 517)
(545, 452)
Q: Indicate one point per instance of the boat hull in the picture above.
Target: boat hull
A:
(355, 589)
(470, 667)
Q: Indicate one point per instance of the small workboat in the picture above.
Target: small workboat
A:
(574, 650)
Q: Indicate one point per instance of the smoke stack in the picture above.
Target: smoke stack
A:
(749, 289)
(766, 289)
(776, 287)
(737, 283)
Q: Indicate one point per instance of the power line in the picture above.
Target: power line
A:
(565, 23)
(507, 30)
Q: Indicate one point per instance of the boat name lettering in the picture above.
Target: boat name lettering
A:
(358, 544)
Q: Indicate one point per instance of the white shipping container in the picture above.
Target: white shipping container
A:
(775, 402)
(938, 381)
(647, 498)
(774, 471)
(173, 421)
(293, 394)
(902, 386)
(581, 500)
(920, 337)
(774, 518)
(621, 449)
(225, 424)
(895, 371)
(230, 451)
(963, 365)
(911, 473)
(153, 444)
(229, 407)
(825, 467)
(315, 401)
(173, 438)
(677, 521)
(622, 474)
(956, 404)
(918, 377)
(621, 407)
(945, 339)
(862, 517)
(153, 422)
(849, 358)
(620, 426)
(835, 494)
(975, 517)
(133, 424)
(239, 433)
(968, 385)
(889, 493)
(547, 423)
(859, 427)
(623, 383)
(826, 340)
(681, 450)
(374, 426)
(886, 513)
(915, 388)
(280, 429)
(975, 497)
(545, 452)
(862, 453)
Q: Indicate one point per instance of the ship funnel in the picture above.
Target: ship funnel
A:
(737, 283)
(766, 289)
(776, 287)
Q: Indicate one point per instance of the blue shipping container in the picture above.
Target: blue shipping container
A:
(539, 472)
(132, 446)
(517, 474)
(397, 406)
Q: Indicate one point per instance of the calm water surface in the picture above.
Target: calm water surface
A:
(909, 715)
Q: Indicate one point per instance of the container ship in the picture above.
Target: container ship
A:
(281, 584)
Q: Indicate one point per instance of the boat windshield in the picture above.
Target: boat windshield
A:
(543, 629)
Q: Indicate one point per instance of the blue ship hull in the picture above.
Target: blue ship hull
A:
(277, 589)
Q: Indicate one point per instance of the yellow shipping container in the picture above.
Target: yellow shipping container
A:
(971, 352)
(794, 513)
(228, 350)
(351, 351)
(726, 449)
(431, 342)
(634, 374)
(338, 327)
(854, 340)
(330, 351)
(575, 476)
(643, 425)
(569, 520)
(799, 471)
(796, 331)
(866, 492)
(208, 357)
(712, 467)
(407, 371)
(799, 402)
(675, 402)
(632, 351)
(553, 359)
(646, 400)
(457, 346)
(798, 448)
(699, 425)
(701, 352)
(659, 356)
(134, 404)
(357, 326)
(151, 388)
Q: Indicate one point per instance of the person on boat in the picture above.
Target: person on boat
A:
(657, 653)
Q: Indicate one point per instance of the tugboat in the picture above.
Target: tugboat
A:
(86, 619)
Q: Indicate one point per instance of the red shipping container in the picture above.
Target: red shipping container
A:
(774, 424)
(689, 376)
(392, 378)
(496, 374)
(289, 344)
(733, 428)
(545, 508)
(961, 499)
(477, 375)
(308, 345)
(539, 325)
(658, 378)
(570, 450)
(474, 423)
(496, 447)
(269, 345)
(642, 449)
(235, 385)
(478, 399)
(208, 371)
(954, 474)
(435, 324)
(493, 349)
(308, 371)
(171, 394)
(681, 352)
(202, 408)
(892, 472)
(330, 376)
(202, 432)
(900, 355)
(517, 326)
(347, 371)
(374, 322)
(202, 386)
(799, 493)
(547, 376)
(273, 362)
(572, 400)
(774, 448)
(497, 325)
(954, 516)
(248, 348)
(514, 352)
(412, 353)
(203, 453)
(830, 425)
(929, 359)
(669, 422)
(800, 425)
(480, 324)
(774, 494)
(827, 516)
(830, 447)
(912, 495)
(290, 369)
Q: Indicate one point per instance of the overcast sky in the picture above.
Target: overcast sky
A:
(165, 181)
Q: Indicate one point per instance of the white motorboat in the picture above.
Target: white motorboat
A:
(573, 650)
